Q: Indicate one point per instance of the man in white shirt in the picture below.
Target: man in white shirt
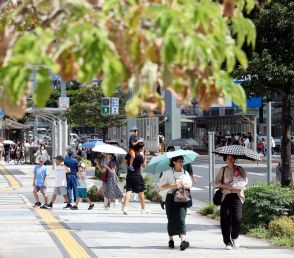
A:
(246, 143)
(60, 183)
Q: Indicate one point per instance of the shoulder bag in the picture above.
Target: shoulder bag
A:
(217, 198)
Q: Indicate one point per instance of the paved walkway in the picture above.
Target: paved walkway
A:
(28, 232)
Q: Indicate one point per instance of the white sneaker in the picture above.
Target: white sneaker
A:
(236, 243)
(145, 211)
(125, 211)
(229, 247)
(115, 204)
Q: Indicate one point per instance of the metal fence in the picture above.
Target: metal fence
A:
(148, 130)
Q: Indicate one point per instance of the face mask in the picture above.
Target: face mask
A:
(43, 148)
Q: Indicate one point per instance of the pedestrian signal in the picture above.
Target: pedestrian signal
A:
(105, 106)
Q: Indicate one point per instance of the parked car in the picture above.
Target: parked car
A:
(74, 138)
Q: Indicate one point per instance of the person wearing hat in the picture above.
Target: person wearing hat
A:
(60, 183)
(40, 181)
(71, 178)
(82, 188)
(133, 141)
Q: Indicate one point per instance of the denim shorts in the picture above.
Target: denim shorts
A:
(41, 189)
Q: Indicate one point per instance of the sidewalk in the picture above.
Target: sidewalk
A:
(28, 232)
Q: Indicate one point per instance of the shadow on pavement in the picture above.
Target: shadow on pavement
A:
(134, 227)
(13, 172)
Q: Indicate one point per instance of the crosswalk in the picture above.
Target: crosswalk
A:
(11, 201)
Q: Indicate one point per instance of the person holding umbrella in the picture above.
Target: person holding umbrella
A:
(232, 180)
(176, 212)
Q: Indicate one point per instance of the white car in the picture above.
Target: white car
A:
(73, 138)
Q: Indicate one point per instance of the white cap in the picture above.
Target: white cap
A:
(83, 165)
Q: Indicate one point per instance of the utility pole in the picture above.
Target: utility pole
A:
(211, 163)
(269, 141)
(34, 83)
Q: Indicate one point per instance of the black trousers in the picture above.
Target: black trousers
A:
(176, 216)
(231, 215)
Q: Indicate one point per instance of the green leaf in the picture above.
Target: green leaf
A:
(230, 59)
(43, 88)
(113, 76)
(249, 5)
(239, 96)
(241, 56)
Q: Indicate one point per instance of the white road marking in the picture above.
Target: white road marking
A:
(198, 166)
(196, 189)
(256, 174)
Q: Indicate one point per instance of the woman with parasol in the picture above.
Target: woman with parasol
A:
(232, 180)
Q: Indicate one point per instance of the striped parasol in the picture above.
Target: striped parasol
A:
(239, 151)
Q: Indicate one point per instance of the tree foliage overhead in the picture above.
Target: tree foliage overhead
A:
(271, 64)
(188, 47)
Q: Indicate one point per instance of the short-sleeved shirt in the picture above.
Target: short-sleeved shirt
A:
(228, 179)
(138, 161)
(170, 177)
(40, 172)
(73, 164)
(82, 180)
(60, 176)
(133, 138)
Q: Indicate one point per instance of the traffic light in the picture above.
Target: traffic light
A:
(105, 106)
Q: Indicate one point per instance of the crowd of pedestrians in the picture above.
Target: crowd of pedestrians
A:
(233, 139)
(70, 182)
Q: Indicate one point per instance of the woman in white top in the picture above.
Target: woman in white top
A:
(42, 152)
(170, 181)
(232, 180)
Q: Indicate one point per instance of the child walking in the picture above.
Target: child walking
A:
(40, 181)
(60, 183)
(82, 188)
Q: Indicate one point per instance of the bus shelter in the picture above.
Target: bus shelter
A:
(226, 125)
(59, 127)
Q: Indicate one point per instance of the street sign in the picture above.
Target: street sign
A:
(105, 106)
(63, 102)
(114, 106)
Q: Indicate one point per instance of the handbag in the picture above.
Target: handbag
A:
(104, 176)
(181, 195)
(217, 198)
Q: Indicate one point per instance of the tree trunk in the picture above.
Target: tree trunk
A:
(286, 121)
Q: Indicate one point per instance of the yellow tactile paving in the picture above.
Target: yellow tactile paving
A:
(70, 244)
(14, 184)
